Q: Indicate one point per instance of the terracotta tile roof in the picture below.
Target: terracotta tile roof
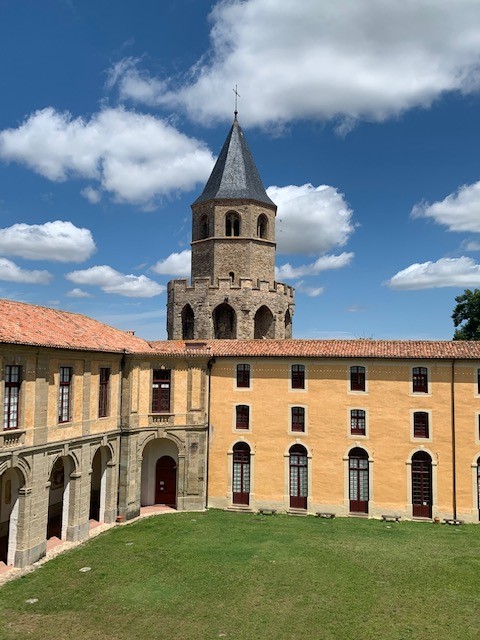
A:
(22, 323)
(418, 349)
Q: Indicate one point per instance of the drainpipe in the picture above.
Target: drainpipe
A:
(454, 458)
(209, 370)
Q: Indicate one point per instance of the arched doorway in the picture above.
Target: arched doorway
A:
(241, 473)
(188, 323)
(10, 484)
(224, 322)
(422, 485)
(98, 484)
(298, 476)
(264, 325)
(358, 480)
(160, 473)
(166, 482)
(59, 498)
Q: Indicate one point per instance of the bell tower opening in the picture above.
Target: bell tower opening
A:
(224, 322)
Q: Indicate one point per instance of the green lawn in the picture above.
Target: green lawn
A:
(209, 575)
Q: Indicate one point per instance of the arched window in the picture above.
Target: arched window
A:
(231, 275)
(298, 468)
(241, 473)
(422, 485)
(188, 323)
(224, 322)
(288, 324)
(204, 227)
(262, 226)
(264, 325)
(232, 224)
(358, 480)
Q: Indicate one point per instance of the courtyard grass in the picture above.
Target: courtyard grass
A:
(225, 575)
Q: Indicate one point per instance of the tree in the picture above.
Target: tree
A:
(467, 314)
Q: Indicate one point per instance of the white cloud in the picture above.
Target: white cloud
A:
(459, 211)
(11, 272)
(111, 281)
(92, 195)
(324, 263)
(136, 157)
(346, 60)
(312, 292)
(446, 272)
(177, 264)
(78, 293)
(471, 245)
(57, 241)
(310, 220)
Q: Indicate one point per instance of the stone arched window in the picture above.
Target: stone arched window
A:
(188, 323)
(262, 226)
(224, 322)
(264, 325)
(288, 324)
(232, 224)
(204, 230)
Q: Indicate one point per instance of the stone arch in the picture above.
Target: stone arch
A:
(262, 226)
(232, 223)
(188, 323)
(264, 323)
(159, 480)
(12, 480)
(224, 322)
(288, 324)
(100, 484)
(60, 496)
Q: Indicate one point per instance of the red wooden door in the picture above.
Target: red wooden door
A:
(241, 474)
(166, 482)
(298, 477)
(358, 480)
(422, 485)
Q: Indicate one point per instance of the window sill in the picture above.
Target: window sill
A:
(11, 438)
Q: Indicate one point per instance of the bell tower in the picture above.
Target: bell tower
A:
(233, 293)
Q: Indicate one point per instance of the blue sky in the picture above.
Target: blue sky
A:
(363, 119)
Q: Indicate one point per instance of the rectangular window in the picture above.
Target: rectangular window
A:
(478, 381)
(357, 422)
(242, 418)
(11, 397)
(298, 419)
(161, 391)
(298, 376)
(420, 380)
(357, 378)
(64, 394)
(243, 375)
(420, 424)
(103, 392)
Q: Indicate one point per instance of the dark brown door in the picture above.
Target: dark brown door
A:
(358, 480)
(422, 485)
(298, 477)
(241, 474)
(166, 482)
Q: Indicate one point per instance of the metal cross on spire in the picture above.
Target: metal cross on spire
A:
(237, 95)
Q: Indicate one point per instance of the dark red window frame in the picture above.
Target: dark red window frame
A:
(242, 416)
(161, 387)
(420, 379)
(420, 424)
(64, 394)
(298, 419)
(103, 392)
(358, 421)
(11, 398)
(357, 378)
(298, 376)
(243, 376)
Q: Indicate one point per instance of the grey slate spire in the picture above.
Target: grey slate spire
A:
(235, 176)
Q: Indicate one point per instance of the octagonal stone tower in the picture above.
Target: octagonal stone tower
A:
(233, 293)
